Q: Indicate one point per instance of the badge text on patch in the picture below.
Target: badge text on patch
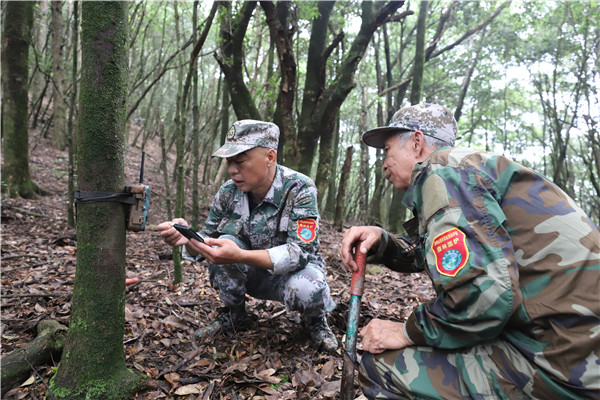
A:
(451, 252)
(307, 230)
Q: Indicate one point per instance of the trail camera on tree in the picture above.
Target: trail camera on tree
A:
(136, 196)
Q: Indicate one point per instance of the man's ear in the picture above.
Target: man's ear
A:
(418, 141)
(272, 156)
(422, 151)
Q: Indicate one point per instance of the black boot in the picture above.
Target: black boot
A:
(321, 334)
(229, 322)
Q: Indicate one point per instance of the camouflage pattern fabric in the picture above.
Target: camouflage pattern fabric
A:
(431, 119)
(286, 224)
(304, 290)
(515, 264)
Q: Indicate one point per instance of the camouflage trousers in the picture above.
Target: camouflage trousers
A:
(489, 371)
(305, 291)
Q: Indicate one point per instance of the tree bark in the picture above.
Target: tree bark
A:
(324, 110)
(181, 121)
(231, 58)
(341, 197)
(195, 129)
(47, 346)
(59, 127)
(467, 79)
(314, 85)
(419, 65)
(17, 24)
(179, 138)
(72, 140)
(93, 363)
(331, 192)
(283, 116)
(40, 33)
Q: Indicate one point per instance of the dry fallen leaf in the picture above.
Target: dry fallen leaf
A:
(196, 388)
(266, 375)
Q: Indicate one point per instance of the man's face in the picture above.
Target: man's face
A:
(249, 170)
(399, 162)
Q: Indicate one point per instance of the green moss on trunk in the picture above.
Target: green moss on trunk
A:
(16, 34)
(93, 360)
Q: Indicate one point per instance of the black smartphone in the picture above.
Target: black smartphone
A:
(188, 232)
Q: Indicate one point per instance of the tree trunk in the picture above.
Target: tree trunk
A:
(59, 128)
(180, 131)
(341, 197)
(418, 70)
(314, 85)
(93, 363)
(17, 21)
(331, 192)
(40, 32)
(277, 19)
(324, 110)
(71, 133)
(165, 168)
(195, 130)
(179, 136)
(231, 58)
(377, 197)
(467, 79)
(47, 346)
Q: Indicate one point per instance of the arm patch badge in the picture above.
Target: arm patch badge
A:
(307, 230)
(451, 252)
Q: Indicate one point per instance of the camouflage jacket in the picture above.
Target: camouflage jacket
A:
(285, 223)
(511, 257)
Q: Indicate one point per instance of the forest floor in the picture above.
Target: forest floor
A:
(273, 360)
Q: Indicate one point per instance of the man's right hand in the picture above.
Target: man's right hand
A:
(365, 237)
(170, 235)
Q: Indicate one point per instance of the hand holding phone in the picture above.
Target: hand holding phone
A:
(188, 232)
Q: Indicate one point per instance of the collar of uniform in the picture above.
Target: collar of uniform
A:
(274, 194)
(408, 200)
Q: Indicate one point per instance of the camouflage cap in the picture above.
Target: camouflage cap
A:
(248, 134)
(431, 119)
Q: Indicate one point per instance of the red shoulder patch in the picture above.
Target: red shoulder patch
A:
(451, 252)
(307, 230)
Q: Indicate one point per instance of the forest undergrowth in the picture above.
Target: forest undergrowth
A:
(272, 360)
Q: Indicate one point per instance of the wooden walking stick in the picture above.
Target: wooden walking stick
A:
(356, 291)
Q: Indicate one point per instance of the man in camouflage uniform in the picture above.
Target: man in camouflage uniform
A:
(513, 260)
(262, 236)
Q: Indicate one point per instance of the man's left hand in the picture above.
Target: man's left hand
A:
(379, 336)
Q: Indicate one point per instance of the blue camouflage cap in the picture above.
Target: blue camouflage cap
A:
(431, 119)
(248, 134)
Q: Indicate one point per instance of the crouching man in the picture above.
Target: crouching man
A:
(262, 237)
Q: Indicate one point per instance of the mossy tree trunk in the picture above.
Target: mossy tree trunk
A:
(17, 25)
(93, 359)
(70, 125)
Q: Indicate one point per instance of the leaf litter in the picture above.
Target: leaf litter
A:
(272, 360)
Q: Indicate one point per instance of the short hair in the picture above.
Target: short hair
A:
(431, 141)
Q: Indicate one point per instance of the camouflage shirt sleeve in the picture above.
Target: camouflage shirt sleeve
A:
(468, 255)
(397, 253)
(286, 223)
(302, 242)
